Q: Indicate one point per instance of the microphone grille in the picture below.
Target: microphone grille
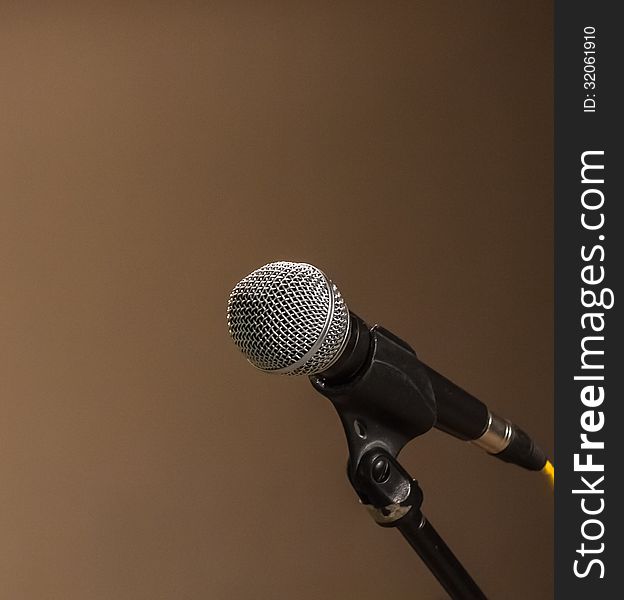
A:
(288, 318)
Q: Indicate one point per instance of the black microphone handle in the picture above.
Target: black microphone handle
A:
(459, 413)
(467, 418)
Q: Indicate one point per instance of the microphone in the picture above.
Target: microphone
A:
(290, 318)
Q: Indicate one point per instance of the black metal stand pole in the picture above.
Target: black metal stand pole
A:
(394, 500)
(434, 552)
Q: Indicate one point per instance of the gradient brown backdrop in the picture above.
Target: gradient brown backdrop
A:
(154, 154)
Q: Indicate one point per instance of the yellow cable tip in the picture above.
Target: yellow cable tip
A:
(549, 471)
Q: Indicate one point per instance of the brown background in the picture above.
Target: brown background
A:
(151, 156)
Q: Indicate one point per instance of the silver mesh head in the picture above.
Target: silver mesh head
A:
(288, 318)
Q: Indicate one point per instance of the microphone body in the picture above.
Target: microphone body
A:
(455, 411)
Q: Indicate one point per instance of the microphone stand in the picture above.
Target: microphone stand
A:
(384, 398)
(394, 499)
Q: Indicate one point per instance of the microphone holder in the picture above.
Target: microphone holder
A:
(382, 406)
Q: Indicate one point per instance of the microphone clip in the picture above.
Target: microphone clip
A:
(387, 402)
(385, 488)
